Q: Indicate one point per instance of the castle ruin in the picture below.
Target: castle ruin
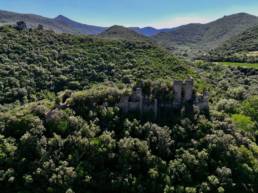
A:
(21, 25)
(183, 94)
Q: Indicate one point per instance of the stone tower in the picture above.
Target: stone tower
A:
(139, 95)
(177, 90)
(188, 90)
(124, 103)
(21, 25)
(205, 105)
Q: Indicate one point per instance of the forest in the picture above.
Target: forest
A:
(61, 130)
(33, 62)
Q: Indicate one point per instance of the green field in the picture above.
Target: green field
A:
(238, 64)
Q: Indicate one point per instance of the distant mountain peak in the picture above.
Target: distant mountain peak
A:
(80, 27)
(62, 18)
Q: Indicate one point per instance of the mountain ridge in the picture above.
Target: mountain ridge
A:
(63, 24)
(33, 20)
(191, 40)
(201, 37)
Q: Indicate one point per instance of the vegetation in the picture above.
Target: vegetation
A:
(233, 91)
(34, 62)
(94, 148)
(123, 33)
(240, 64)
(61, 129)
(242, 48)
(194, 40)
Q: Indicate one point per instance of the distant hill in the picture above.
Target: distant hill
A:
(122, 33)
(59, 24)
(62, 24)
(241, 48)
(201, 37)
(149, 31)
(189, 40)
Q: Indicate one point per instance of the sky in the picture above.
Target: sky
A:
(131, 13)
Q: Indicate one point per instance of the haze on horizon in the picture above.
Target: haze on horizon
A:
(131, 13)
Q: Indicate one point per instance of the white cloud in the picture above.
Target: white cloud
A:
(178, 21)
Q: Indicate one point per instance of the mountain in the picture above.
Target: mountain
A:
(62, 24)
(82, 28)
(189, 40)
(59, 24)
(201, 37)
(122, 33)
(33, 21)
(243, 48)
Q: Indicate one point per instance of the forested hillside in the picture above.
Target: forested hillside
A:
(62, 129)
(196, 39)
(241, 48)
(35, 61)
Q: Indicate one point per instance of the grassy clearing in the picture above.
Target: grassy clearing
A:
(238, 64)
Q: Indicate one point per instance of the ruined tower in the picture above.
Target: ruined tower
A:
(188, 90)
(124, 103)
(177, 90)
(139, 96)
(21, 25)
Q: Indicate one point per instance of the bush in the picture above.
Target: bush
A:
(230, 106)
(243, 122)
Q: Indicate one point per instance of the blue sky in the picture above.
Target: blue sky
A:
(157, 13)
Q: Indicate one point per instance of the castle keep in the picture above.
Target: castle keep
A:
(183, 94)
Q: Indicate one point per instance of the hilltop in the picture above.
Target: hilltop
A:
(122, 33)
